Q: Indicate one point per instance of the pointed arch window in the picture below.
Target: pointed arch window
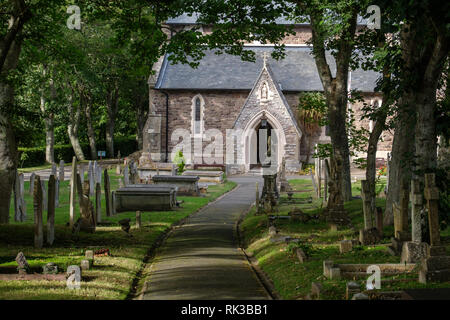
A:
(198, 106)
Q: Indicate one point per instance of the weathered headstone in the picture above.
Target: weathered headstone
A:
(118, 171)
(138, 220)
(258, 210)
(91, 175)
(44, 195)
(82, 174)
(416, 211)
(32, 177)
(50, 268)
(126, 177)
(107, 193)
(313, 181)
(57, 184)
(38, 209)
(61, 170)
(345, 246)
(85, 264)
(51, 209)
(19, 198)
(54, 169)
(22, 263)
(73, 191)
(98, 202)
(87, 221)
(98, 174)
(352, 288)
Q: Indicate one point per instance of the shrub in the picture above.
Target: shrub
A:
(30, 157)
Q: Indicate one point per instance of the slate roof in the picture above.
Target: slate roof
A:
(296, 72)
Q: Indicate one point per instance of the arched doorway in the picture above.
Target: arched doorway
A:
(264, 141)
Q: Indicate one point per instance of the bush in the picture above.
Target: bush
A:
(31, 157)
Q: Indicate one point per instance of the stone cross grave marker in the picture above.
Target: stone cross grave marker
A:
(432, 196)
(51, 209)
(416, 210)
(38, 209)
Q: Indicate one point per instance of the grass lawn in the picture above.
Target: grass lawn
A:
(112, 277)
(291, 279)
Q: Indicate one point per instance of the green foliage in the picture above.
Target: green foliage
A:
(323, 150)
(29, 157)
(312, 110)
(180, 161)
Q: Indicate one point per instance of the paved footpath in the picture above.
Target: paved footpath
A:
(200, 260)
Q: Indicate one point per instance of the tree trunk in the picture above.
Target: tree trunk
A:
(87, 102)
(371, 158)
(72, 128)
(112, 104)
(402, 156)
(49, 132)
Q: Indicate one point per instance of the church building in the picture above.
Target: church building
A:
(226, 94)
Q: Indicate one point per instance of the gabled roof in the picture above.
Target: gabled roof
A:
(267, 69)
(296, 72)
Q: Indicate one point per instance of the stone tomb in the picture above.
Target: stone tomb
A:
(144, 198)
(156, 169)
(187, 185)
(206, 175)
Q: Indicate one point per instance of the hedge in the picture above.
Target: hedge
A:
(31, 157)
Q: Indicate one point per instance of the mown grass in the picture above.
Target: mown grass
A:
(291, 279)
(111, 277)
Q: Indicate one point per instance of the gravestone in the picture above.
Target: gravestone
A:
(98, 202)
(345, 246)
(44, 195)
(22, 264)
(284, 184)
(138, 220)
(352, 288)
(73, 191)
(87, 220)
(436, 267)
(126, 177)
(85, 265)
(257, 202)
(98, 174)
(118, 171)
(107, 193)
(416, 210)
(82, 174)
(91, 173)
(61, 170)
(38, 209)
(19, 199)
(32, 177)
(50, 268)
(57, 184)
(51, 210)
(54, 169)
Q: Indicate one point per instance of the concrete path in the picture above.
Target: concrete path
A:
(200, 259)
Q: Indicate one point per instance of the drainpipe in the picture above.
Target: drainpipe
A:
(167, 125)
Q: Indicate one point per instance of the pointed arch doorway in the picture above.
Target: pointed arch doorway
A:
(264, 141)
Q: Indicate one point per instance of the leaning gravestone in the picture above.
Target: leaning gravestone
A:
(19, 199)
(32, 177)
(57, 193)
(61, 170)
(38, 208)
(51, 210)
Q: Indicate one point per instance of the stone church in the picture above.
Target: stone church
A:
(225, 93)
